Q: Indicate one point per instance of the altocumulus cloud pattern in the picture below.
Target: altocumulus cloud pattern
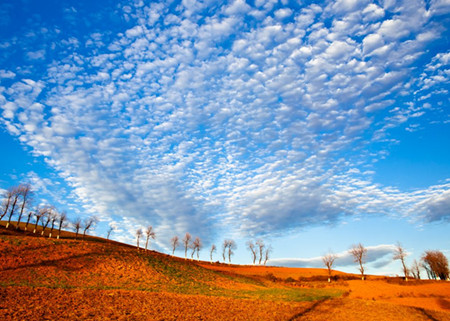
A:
(258, 116)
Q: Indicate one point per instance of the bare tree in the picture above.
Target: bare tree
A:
(110, 230)
(26, 193)
(213, 249)
(47, 218)
(62, 223)
(150, 234)
(40, 213)
(15, 198)
(267, 254)
(415, 270)
(359, 253)
(400, 254)
(88, 224)
(436, 265)
(328, 260)
(260, 244)
(186, 241)
(224, 249)
(29, 216)
(174, 241)
(53, 218)
(252, 249)
(77, 226)
(139, 234)
(196, 246)
(231, 247)
(9, 195)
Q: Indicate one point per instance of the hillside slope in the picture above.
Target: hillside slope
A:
(42, 278)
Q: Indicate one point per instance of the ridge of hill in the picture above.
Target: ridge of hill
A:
(96, 279)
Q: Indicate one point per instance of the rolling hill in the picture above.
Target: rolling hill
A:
(95, 279)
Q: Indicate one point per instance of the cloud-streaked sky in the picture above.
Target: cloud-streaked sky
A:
(235, 119)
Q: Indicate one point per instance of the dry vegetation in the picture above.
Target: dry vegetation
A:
(95, 279)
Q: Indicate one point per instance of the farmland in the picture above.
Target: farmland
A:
(95, 279)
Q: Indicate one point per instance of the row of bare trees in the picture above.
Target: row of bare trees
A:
(434, 262)
(149, 233)
(18, 201)
(259, 251)
(195, 245)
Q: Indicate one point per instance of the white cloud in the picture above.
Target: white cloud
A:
(189, 120)
(377, 256)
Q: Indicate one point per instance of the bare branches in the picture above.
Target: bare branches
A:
(186, 241)
(139, 234)
(89, 223)
(76, 226)
(40, 213)
(53, 217)
(436, 265)
(150, 234)
(110, 230)
(328, 260)
(26, 193)
(260, 245)
(62, 223)
(229, 245)
(415, 269)
(252, 249)
(15, 197)
(400, 254)
(213, 249)
(8, 199)
(174, 242)
(267, 254)
(196, 246)
(359, 253)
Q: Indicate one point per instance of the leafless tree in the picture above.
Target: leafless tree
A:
(139, 234)
(26, 193)
(415, 270)
(231, 247)
(29, 216)
(436, 265)
(15, 199)
(150, 234)
(47, 219)
(9, 196)
(196, 246)
(53, 218)
(328, 260)
(213, 249)
(400, 254)
(359, 253)
(110, 230)
(252, 249)
(62, 223)
(224, 249)
(40, 213)
(260, 245)
(77, 226)
(174, 241)
(267, 254)
(88, 224)
(186, 241)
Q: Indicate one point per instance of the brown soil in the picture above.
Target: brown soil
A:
(67, 279)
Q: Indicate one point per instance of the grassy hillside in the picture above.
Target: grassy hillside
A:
(42, 278)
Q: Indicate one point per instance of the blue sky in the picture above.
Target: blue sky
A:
(313, 125)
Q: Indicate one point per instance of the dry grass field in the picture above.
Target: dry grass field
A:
(68, 279)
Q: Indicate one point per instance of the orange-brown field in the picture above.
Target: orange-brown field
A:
(68, 279)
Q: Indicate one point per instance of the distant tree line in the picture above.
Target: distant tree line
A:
(435, 263)
(18, 202)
